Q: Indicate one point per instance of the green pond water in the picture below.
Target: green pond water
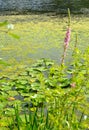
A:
(41, 36)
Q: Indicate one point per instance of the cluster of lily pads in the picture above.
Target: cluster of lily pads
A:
(47, 96)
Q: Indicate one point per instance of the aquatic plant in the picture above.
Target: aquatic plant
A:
(47, 96)
(67, 38)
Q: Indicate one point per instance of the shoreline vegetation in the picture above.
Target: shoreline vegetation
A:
(83, 11)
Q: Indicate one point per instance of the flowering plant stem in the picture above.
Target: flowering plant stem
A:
(67, 38)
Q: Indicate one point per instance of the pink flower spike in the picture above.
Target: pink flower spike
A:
(66, 44)
(73, 85)
(67, 38)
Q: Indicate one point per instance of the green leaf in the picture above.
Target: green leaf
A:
(14, 35)
(40, 69)
(3, 23)
(3, 63)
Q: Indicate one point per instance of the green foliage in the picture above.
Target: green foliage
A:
(14, 35)
(51, 94)
(9, 27)
(3, 23)
(46, 96)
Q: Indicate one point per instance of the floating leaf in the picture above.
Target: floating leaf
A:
(3, 23)
(14, 35)
(3, 62)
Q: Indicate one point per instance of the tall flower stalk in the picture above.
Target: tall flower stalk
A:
(67, 38)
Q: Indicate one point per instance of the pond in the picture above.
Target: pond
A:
(41, 36)
(44, 83)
